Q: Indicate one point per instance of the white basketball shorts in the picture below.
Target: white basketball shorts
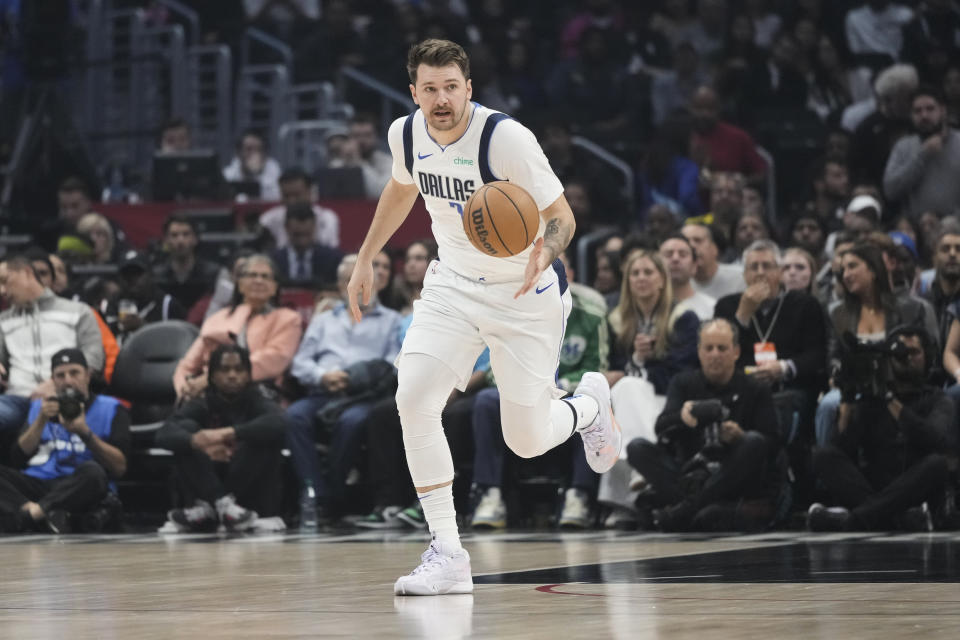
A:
(455, 317)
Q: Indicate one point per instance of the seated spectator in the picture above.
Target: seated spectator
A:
(921, 172)
(585, 346)
(673, 89)
(226, 444)
(749, 229)
(34, 312)
(182, 273)
(798, 269)
(659, 223)
(60, 284)
(304, 261)
(783, 342)
(74, 201)
(175, 136)
(719, 146)
(726, 203)
(105, 248)
(712, 278)
(252, 164)
(681, 261)
(739, 494)
(944, 290)
(869, 311)
(876, 28)
(139, 301)
(333, 346)
(408, 284)
(608, 277)
(376, 163)
(888, 456)
(809, 233)
(43, 266)
(668, 177)
(831, 188)
(875, 136)
(861, 216)
(652, 341)
(65, 460)
(296, 187)
(252, 321)
(776, 83)
(223, 290)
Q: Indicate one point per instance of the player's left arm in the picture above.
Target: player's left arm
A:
(560, 226)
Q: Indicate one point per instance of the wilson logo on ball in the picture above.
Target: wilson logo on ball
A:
(501, 219)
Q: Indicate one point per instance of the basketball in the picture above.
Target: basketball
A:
(501, 219)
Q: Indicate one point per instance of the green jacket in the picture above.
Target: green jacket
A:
(586, 343)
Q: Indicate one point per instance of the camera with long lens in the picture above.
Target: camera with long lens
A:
(71, 403)
(710, 414)
(865, 371)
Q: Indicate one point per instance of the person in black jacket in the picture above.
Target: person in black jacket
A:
(227, 448)
(783, 340)
(698, 485)
(903, 440)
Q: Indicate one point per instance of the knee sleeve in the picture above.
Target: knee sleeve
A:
(423, 386)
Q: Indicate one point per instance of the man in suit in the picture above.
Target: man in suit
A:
(303, 261)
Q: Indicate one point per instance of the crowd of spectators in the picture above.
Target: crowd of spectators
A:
(765, 363)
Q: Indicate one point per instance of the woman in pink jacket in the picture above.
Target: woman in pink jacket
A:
(270, 334)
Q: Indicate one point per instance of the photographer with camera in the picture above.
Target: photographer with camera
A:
(716, 439)
(74, 444)
(899, 426)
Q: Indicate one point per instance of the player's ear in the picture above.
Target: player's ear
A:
(469, 89)
(413, 94)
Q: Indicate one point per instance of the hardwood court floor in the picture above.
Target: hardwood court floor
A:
(593, 585)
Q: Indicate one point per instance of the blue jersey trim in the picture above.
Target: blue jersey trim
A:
(408, 143)
(483, 159)
(561, 274)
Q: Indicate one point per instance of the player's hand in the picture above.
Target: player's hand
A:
(540, 259)
(360, 288)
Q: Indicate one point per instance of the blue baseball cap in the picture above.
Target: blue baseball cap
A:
(903, 240)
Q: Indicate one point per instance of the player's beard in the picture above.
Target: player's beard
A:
(456, 117)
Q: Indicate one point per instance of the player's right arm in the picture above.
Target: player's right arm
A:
(395, 203)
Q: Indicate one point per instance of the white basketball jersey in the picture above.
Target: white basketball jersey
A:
(493, 147)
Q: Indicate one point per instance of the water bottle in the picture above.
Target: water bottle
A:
(308, 508)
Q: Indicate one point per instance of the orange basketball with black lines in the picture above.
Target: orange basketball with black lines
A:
(501, 219)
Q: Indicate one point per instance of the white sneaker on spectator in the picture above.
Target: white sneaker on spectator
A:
(438, 574)
(576, 510)
(602, 438)
(233, 516)
(491, 512)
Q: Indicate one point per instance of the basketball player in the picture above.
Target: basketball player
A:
(517, 306)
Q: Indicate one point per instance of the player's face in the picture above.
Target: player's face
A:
(443, 94)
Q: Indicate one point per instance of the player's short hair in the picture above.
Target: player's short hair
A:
(436, 53)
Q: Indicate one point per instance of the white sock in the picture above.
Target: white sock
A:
(584, 411)
(441, 517)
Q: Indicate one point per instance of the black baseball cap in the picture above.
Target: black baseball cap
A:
(68, 356)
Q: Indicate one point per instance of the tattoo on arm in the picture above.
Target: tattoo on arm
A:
(556, 237)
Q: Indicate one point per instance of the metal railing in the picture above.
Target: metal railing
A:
(210, 98)
(187, 15)
(262, 100)
(303, 143)
(388, 95)
(629, 188)
(253, 37)
(771, 177)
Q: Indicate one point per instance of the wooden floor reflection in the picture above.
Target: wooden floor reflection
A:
(528, 586)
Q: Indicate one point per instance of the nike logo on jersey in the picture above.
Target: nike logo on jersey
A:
(421, 156)
(539, 290)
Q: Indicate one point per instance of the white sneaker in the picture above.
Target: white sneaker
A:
(576, 510)
(602, 438)
(233, 516)
(491, 512)
(438, 574)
